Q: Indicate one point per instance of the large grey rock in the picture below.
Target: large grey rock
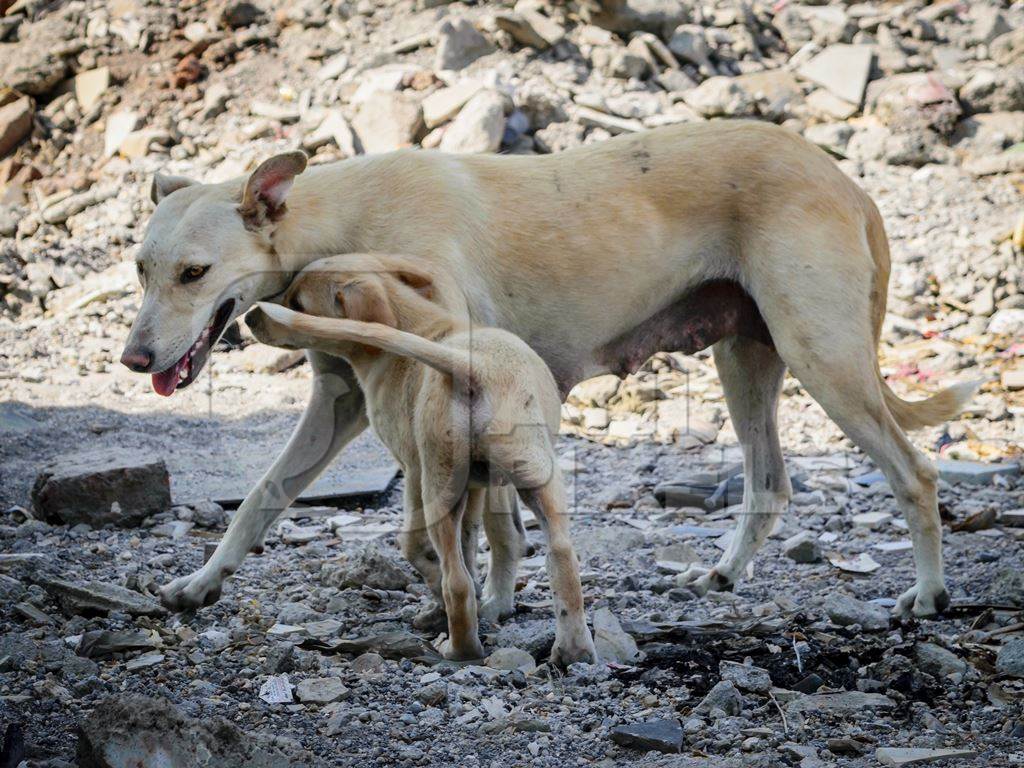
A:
(100, 489)
(746, 676)
(133, 731)
(936, 660)
(320, 690)
(459, 44)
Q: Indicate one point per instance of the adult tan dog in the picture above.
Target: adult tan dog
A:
(736, 234)
(481, 409)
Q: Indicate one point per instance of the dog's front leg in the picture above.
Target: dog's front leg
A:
(334, 415)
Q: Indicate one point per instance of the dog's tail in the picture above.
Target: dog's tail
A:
(453, 362)
(942, 406)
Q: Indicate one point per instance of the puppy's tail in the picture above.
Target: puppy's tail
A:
(942, 406)
(453, 362)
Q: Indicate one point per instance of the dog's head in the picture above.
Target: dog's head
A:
(364, 287)
(206, 258)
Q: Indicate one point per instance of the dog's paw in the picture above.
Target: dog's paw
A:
(496, 608)
(572, 651)
(471, 650)
(922, 601)
(191, 592)
(701, 580)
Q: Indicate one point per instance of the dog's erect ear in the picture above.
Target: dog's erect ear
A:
(163, 185)
(367, 301)
(265, 191)
(420, 282)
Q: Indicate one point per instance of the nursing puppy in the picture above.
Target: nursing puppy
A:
(461, 409)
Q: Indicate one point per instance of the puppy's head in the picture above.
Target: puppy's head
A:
(369, 289)
(206, 258)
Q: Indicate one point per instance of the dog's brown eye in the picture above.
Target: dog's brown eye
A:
(191, 274)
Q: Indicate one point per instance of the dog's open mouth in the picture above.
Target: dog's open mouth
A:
(184, 372)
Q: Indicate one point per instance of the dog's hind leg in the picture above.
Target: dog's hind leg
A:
(751, 375)
(334, 415)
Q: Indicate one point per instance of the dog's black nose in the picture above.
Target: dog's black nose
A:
(139, 361)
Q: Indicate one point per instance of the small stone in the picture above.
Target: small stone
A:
(975, 472)
(802, 547)
(239, 14)
(320, 690)
(872, 520)
(657, 735)
(745, 676)
(90, 87)
(531, 28)
(371, 567)
(432, 694)
(209, 514)
(721, 96)
(613, 643)
(844, 610)
(460, 44)
(367, 662)
(443, 104)
(119, 126)
(511, 658)
(386, 121)
(479, 125)
(842, 69)
(1010, 659)
(98, 598)
(15, 124)
(844, 701)
(937, 661)
(723, 697)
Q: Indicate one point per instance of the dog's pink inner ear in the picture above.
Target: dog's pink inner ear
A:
(268, 186)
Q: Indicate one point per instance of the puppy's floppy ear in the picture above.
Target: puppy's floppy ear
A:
(366, 300)
(266, 189)
(163, 185)
(420, 282)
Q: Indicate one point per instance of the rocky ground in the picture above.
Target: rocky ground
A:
(310, 658)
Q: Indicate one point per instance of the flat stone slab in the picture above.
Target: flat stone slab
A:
(101, 488)
(361, 484)
(96, 597)
(975, 472)
(658, 735)
(844, 701)
(917, 756)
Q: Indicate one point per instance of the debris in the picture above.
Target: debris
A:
(842, 69)
(97, 598)
(723, 698)
(101, 489)
(746, 676)
(387, 121)
(802, 547)
(371, 566)
(276, 689)
(320, 690)
(15, 124)
(98, 643)
(443, 104)
(459, 44)
(90, 86)
(479, 125)
(862, 563)
(975, 472)
(657, 735)
(1010, 659)
(838, 703)
(511, 658)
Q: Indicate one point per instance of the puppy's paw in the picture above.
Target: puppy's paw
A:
(470, 650)
(922, 601)
(701, 580)
(574, 650)
(191, 592)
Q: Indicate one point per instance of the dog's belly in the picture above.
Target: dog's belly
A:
(709, 312)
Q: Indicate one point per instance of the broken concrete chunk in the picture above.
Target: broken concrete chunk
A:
(658, 735)
(479, 125)
(460, 44)
(386, 121)
(975, 472)
(98, 598)
(100, 488)
(802, 547)
(842, 69)
(90, 87)
(320, 690)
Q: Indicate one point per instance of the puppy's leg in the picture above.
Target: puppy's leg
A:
(334, 415)
(751, 375)
(572, 636)
(415, 544)
(506, 539)
(444, 514)
(471, 533)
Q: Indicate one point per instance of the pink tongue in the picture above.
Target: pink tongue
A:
(165, 382)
